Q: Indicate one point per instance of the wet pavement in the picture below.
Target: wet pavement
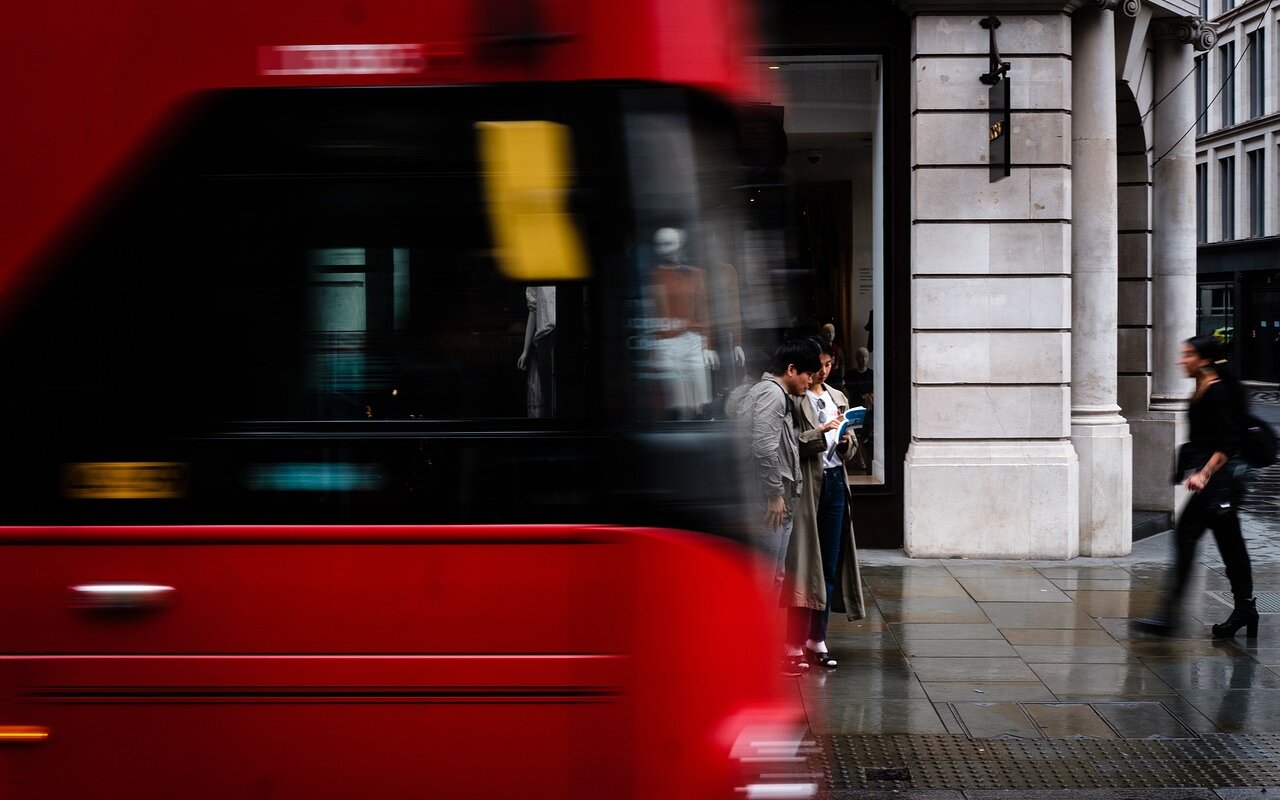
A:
(974, 677)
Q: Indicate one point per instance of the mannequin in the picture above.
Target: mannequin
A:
(733, 311)
(538, 355)
(680, 305)
(728, 305)
(838, 365)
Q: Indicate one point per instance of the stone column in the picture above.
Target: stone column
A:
(1173, 258)
(1098, 432)
(991, 472)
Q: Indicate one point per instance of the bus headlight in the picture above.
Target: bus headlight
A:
(771, 757)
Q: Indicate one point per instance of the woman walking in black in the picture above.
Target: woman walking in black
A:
(1214, 473)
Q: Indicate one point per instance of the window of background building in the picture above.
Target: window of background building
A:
(1257, 73)
(1202, 202)
(1227, 196)
(1215, 311)
(1227, 5)
(1257, 197)
(1202, 95)
(1227, 61)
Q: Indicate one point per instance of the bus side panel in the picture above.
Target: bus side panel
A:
(322, 669)
(342, 597)
(705, 654)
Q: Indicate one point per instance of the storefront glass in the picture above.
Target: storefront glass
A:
(820, 216)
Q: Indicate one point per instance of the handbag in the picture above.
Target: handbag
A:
(1258, 445)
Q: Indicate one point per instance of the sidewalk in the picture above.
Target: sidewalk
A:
(998, 675)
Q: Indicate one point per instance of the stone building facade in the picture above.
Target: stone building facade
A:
(1032, 364)
(1068, 285)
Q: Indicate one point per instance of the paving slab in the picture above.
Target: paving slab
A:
(960, 648)
(992, 719)
(1037, 615)
(862, 716)
(932, 610)
(1063, 720)
(972, 669)
(929, 630)
(1143, 720)
(968, 691)
(1101, 680)
(1214, 673)
(1017, 590)
(861, 683)
(1128, 604)
(1057, 636)
(1111, 585)
(1074, 654)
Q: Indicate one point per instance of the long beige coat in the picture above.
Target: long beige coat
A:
(805, 585)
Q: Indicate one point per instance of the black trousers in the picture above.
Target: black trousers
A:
(1215, 511)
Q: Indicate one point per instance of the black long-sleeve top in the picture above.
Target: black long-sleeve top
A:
(1215, 423)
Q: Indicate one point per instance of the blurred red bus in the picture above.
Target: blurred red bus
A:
(291, 506)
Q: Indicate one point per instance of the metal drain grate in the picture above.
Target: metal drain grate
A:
(849, 762)
(1268, 602)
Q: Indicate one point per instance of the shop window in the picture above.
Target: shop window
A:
(818, 223)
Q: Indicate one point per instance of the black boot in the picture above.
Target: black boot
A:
(1244, 615)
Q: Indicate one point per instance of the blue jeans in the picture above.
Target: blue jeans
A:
(831, 511)
(775, 542)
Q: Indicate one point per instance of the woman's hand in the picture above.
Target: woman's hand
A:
(1196, 482)
(831, 425)
(1201, 478)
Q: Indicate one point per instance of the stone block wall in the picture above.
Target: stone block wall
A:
(991, 471)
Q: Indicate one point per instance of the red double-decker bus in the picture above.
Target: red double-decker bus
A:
(347, 425)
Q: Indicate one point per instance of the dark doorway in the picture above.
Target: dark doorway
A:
(1262, 335)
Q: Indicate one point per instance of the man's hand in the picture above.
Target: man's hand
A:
(776, 512)
(1196, 482)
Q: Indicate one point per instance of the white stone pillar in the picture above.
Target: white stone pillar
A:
(1173, 260)
(1098, 432)
(991, 472)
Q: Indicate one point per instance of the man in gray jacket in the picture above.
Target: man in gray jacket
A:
(775, 450)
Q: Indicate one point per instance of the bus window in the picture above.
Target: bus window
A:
(298, 311)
